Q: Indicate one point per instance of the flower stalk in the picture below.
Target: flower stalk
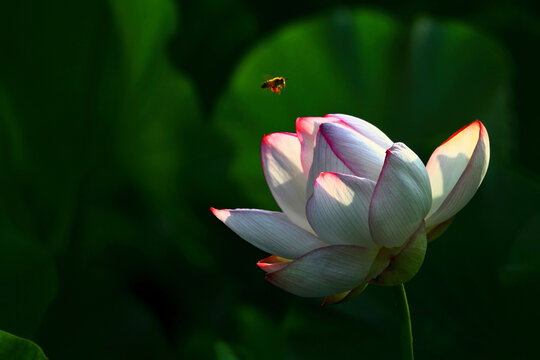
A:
(405, 323)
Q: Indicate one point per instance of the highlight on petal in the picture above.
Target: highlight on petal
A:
(339, 208)
(363, 156)
(401, 199)
(280, 154)
(306, 129)
(273, 263)
(456, 170)
(403, 265)
(326, 271)
(270, 231)
(368, 130)
(324, 160)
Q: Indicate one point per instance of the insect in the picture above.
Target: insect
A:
(275, 84)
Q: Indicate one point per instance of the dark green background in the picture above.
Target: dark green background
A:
(123, 121)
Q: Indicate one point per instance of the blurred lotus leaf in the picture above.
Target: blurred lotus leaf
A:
(28, 280)
(16, 348)
(523, 266)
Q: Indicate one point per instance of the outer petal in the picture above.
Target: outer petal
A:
(280, 153)
(368, 130)
(405, 263)
(273, 263)
(306, 129)
(456, 170)
(345, 296)
(269, 231)
(326, 271)
(324, 160)
(363, 156)
(339, 208)
(434, 232)
(401, 199)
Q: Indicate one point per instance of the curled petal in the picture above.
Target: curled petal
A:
(280, 154)
(368, 130)
(401, 199)
(363, 156)
(339, 208)
(306, 129)
(326, 271)
(456, 170)
(270, 231)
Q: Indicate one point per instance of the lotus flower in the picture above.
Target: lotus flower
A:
(357, 208)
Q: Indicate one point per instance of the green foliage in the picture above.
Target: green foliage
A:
(16, 348)
(122, 122)
(522, 266)
(28, 282)
(224, 351)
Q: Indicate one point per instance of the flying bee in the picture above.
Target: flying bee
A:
(275, 84)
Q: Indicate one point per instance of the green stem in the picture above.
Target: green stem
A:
(405, 323)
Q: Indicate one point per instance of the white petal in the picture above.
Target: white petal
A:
(306, 129)
(324, 160)
(339, 208)
(364, 157)
(401, 199)
(326, 271)
(280, 153)
(269, 231)
(368, 130)
(456, 170)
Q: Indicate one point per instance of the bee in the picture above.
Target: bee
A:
(275, 84)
